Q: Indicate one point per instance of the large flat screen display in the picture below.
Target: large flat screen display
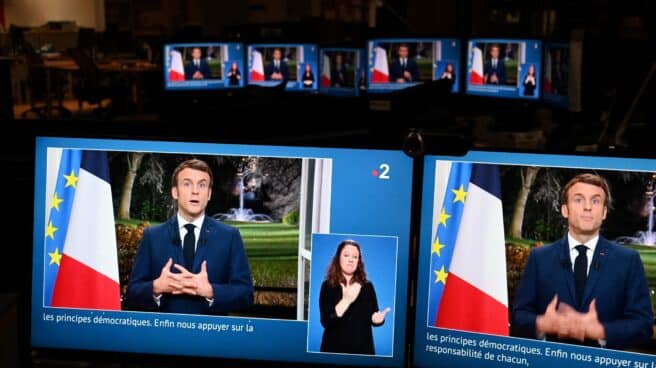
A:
(296, 254)
(535, 260)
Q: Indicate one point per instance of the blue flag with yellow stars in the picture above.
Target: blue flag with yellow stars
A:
(60, 211)
(446, 234)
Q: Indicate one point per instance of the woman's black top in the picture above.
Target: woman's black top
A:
(351, 333)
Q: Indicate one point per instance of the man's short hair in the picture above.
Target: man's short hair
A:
(592, 179)
(404, 45)
(195, 164)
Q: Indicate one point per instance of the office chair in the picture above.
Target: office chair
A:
(89, 85)
(36, 79)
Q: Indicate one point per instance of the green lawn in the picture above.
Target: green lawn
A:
(648, 256)
(272, 250)
(520, 241)
(292, 67)
(132, 222)
(425, 66)
(511, 71)
(215, 67)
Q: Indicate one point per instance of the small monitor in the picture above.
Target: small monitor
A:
(500, 280)
(400, 63)
(507, 68)
(342, 71)
(203, 66)
(556, 74)
(124, 260)
(269, 65)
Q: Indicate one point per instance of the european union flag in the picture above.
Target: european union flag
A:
(448, 222)
(57, 223)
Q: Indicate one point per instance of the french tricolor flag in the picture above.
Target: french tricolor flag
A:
(476, 72)
(176, 71)
(380, 73)
(471, 241)
(257, 68)
(87, 265)
(326, 81)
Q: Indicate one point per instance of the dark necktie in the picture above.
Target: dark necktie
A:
(188, 246)
(580, 271)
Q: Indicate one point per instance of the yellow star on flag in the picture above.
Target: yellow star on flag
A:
(55, 257)
(460, 194)
(50, 230)
(440, 276)
(437, 247)
(71, 180)
(443, 217)
(56, 201)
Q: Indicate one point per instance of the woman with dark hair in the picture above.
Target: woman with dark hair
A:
(529, 81)
(234, 74)
(348, 304)
(449, 72)
(308, 77)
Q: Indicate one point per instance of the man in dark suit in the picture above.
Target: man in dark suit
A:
(197, 68)
(584, 288)
(494, 71)
(338, 73)
(191, 263)
(404, 69)
(277, 68)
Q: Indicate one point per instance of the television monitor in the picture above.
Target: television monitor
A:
(494, 254)
(507, 68)
(271, 64)
(203, 66)
(555, 87)
(104, 227)
(342, 71)
(400, 63)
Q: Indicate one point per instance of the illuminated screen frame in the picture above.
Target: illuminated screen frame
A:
(445, 51)
(383, 200)
(559, 100)
(359, 67)
(462, 348)
(230, 52)
(529, 54)
(306, 53)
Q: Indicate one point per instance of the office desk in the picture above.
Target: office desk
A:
(132, 70)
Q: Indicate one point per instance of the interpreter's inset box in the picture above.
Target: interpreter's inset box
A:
(352, 294)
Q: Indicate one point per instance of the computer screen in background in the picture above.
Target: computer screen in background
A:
(495, 260)
(400, 63)
(271, 64)
(280, 223)
(203, 66)
(556, 74)
(504, 68)
(342, 71)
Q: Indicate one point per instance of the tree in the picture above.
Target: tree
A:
(282, 184)
(528, 175)
(134, 162)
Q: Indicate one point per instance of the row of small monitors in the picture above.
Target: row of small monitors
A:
(307, 215)
(511, 68)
